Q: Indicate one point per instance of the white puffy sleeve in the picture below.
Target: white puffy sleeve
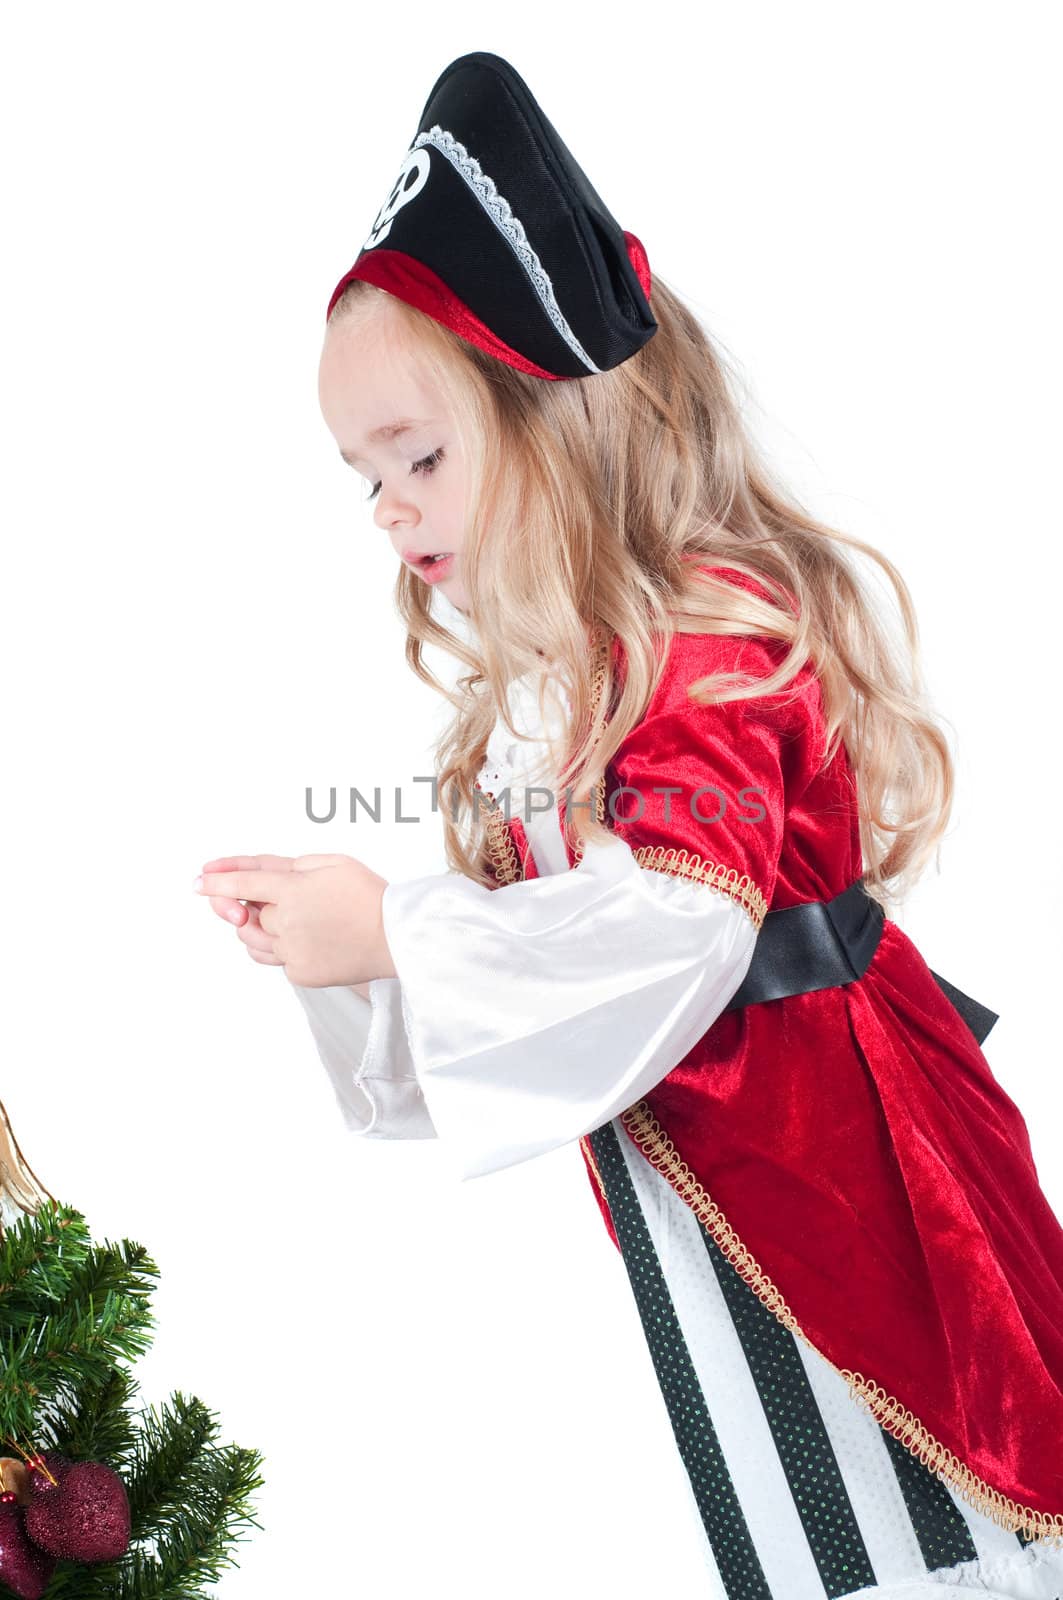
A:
(527, 1015)
(364, 1049)
(537, 1011)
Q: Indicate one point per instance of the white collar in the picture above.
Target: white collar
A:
(516, 764)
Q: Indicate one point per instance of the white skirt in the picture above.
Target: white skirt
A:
(800, 1494)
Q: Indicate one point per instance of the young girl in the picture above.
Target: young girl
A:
(689, 772)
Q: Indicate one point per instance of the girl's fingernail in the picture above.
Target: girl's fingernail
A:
(198, 884)
(234, 916)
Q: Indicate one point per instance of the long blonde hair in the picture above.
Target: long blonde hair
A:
(615, 486)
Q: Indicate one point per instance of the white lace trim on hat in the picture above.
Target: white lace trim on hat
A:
(509, 226)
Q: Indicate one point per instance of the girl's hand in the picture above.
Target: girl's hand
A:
(317, 916)
(244, 915)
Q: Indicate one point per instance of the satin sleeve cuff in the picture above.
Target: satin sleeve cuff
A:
(538, 1011)
(364, 1049)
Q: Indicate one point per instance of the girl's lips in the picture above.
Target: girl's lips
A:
(434, 571)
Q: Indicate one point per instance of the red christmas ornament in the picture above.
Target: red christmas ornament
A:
(44, 1473)
(25, 1570)
(83, 1515)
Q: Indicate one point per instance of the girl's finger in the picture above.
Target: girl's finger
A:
(232, 910)
(264, 959)
(247, 863)
(255, 937)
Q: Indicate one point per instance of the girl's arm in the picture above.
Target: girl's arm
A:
(536, 1012)
(525, 1016)
(596, 932)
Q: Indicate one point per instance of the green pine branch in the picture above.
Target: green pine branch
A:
(181, 1538)
(91, 1309)
(70, 1312)
(37, 1256)
(94, 1424)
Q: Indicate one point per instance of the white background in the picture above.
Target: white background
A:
(449, 1380)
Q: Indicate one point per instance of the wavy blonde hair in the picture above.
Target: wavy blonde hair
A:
(619, 483)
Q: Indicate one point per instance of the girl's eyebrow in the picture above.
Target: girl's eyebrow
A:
(390, 430)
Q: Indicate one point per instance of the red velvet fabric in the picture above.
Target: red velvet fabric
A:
(409, 279)
(854, 1138)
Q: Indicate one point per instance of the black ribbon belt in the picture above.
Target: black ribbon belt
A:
(824, 943)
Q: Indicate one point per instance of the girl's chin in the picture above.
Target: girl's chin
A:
(454, 596)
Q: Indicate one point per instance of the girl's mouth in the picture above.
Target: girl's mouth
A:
(434, 568)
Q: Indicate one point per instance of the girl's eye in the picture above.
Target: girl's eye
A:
(426, 465)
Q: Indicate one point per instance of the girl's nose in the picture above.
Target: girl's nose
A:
(391, 513)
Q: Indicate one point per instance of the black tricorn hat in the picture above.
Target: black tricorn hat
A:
(493, 229)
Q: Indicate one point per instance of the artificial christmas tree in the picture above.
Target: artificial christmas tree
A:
(97, 1498)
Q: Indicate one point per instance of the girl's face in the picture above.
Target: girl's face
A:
(390, 426)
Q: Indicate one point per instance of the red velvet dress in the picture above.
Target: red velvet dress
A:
(848, 1149)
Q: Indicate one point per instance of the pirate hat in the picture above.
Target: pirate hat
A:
(493, 229)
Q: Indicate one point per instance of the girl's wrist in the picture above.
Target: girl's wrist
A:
(384, 967)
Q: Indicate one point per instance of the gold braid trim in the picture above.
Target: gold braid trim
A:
(504, 861)
(599, 812)
(659, 1150)
(597, 688)
(593, 1164)
(682, 864)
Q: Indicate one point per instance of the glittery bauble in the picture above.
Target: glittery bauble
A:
(84, 1517)
(45, 1471)
(24, 1569)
